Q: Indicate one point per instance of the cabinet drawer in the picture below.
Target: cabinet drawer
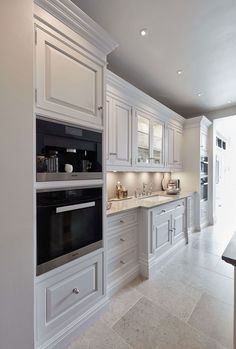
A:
(120, 242)
(121, 220)
(119, 265)
(67, 295)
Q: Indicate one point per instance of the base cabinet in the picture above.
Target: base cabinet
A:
(122, 249)
(166, 228)
(64, 297)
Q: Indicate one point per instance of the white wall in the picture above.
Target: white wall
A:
(16, 180)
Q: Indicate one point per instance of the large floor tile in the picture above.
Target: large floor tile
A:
(209, 246)
(172, 295)
(148, 326)
(224, 268)
(99, 336)
(120, 303)
(214, 318)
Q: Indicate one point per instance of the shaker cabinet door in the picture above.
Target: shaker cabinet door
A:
(68, 83)
(162, 237)
(174, 148)
(179, 226)
(119, 123)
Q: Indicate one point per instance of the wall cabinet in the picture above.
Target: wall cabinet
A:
(149, 140)
(119, 123)
(174, 147)
(141, 133)
(68, 83)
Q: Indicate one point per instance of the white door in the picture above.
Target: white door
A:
(119, 120)
(68, 83)
(170, 147)
(157, 140)
(162, 234)
(179, 225)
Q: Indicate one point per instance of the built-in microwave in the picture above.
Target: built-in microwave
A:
(69, 225)
(66, 152)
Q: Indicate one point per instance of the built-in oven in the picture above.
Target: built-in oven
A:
(204, 188)
(69, 225)
(66, 152)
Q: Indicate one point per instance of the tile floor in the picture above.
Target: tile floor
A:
(189, 304)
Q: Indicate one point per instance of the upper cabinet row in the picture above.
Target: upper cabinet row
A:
(70, 87)
(138, 139)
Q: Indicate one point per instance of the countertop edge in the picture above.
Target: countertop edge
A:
(173, 197)
(229, 255)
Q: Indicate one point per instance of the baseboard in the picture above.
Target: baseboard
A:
(124, 280)
(149, 268)
(77, 327)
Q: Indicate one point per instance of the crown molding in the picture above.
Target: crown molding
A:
(198, 121)
(73, 17)
(132, 92)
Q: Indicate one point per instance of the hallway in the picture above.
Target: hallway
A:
(188, 305)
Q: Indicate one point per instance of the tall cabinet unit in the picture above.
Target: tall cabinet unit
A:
(196, 176)
(70, 68)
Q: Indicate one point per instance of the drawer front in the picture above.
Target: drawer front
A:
(121, 220)
(119, 265)
(67, 295)
(120, 242)
(204, 213)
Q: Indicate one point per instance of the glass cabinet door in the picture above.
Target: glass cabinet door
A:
(143, 140)
(157, 143)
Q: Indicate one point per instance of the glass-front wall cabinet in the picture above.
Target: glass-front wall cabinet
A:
(143, 140)
(149, 141)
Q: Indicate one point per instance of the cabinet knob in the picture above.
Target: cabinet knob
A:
(121, 221)
(122, 239)
(122, 262)
(163, 211)
(76, 291)
(100, 107)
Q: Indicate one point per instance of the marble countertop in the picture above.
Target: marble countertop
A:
(156, 199)
(229, 255)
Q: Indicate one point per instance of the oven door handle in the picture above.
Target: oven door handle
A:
(74, 207)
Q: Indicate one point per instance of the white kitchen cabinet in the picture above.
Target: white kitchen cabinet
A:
(67, 294)
(149, 140)
(174, 147)
(122, 249)
(69, 83)
(165, 229)
(119, 123)
(162, 237)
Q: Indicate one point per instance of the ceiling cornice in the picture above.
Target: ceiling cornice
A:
(117, 82)
(72, 16)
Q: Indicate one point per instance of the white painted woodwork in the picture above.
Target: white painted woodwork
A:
(178, 223)
(57, 302)
(162, 236)
(153, 139)
(122, 249)
(161, 231)
(174, 147)
(67, 82)
(119, 121)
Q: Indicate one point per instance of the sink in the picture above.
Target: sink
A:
(156, 198)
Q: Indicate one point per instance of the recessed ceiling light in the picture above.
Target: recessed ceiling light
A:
(199, 94)
(179, 72)
(144, 32)
(229, 101)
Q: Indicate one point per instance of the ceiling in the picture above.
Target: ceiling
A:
(197, 37)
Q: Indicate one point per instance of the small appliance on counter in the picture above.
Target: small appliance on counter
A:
(173, 187)
(67, 152)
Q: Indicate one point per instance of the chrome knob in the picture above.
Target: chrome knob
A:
(100, 107)
(122, 262)
(121, 221)
(76, 291)
(122, 239)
